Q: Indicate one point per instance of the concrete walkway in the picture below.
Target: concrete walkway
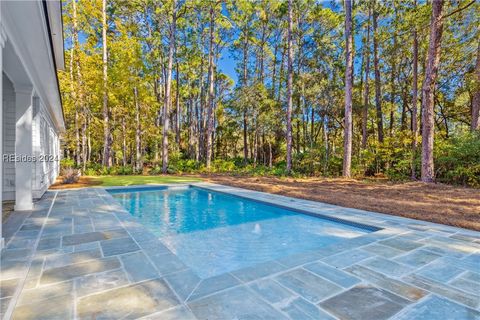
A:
(80, 255)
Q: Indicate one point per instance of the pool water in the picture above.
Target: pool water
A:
(214, 233)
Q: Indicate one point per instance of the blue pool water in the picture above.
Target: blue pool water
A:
(214, 233)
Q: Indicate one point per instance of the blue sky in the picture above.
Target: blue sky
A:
(227, 65)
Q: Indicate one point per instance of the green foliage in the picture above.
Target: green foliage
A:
(458, 160)
(96, 169)
(182, 166)
(253, 32)
(121, 170)
(220, 165)
(90, 172)
(67, 163)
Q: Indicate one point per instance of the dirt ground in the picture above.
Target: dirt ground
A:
(440, 203)
(455, 206)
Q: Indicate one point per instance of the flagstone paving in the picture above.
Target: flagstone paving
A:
(80, 255)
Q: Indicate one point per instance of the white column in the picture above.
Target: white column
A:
(23, 148)
(3, 39)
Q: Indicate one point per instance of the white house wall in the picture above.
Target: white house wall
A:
(45, 140)
(8, 138)
(45, 145)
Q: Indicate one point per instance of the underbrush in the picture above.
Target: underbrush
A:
(457, 161)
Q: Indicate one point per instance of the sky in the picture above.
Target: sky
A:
(227, 64)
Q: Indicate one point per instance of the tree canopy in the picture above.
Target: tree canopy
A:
(149, 88)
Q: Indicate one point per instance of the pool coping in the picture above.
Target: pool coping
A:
(189, 288)
(362, 217)
(388, 226)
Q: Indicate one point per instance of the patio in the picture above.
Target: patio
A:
(79, 255)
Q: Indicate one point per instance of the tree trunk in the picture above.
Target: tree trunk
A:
(347, 145)
(210, 89)
(312, 128)
(392, 84)
(414, 102)
(168, 89)
(107, 158)
(366, 93)
(280, 73)
(72, 84)
(179, 111)
(200, 106)
(124, 142)
(138, 134)
(89, 142)
(378, 93)
(289, 86)
(244, 83)
(84, 143)
(476, 95)
(433, 59)
(75, 105)
(403, 119)
(270, 156)
(274, 69)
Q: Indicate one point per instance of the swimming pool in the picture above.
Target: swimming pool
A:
(214, 233)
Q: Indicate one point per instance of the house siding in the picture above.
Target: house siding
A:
(45, 143)
(8, 138)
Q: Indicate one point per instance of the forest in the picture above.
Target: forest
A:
(274, 87)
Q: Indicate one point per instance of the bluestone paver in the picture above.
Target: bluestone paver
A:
(98, 282)
(272, 291)
(417, 258)
(364, 302)
(332, 274)
(79, 269)
(88, 257)
(58, 308)
(183, 283)
(131, 301)
(308, 285)
(300, 309)
(382, 281)
(214, 284)
(138, 267)
(236, 303)
(387, 267)
(438, 308)
(347, 258)
(118, 246)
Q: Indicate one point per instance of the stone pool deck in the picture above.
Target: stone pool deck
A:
(80, 255)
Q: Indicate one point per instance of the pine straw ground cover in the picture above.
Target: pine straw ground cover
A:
(440, 203)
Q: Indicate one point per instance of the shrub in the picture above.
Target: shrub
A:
(220, 165)
(121, 170)
(67, 163)
(104, 171)
(70, 175)
(400, 171)
(92, 169)
(188, 166)
(155, 170)
(90, 172)
(457, 160)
